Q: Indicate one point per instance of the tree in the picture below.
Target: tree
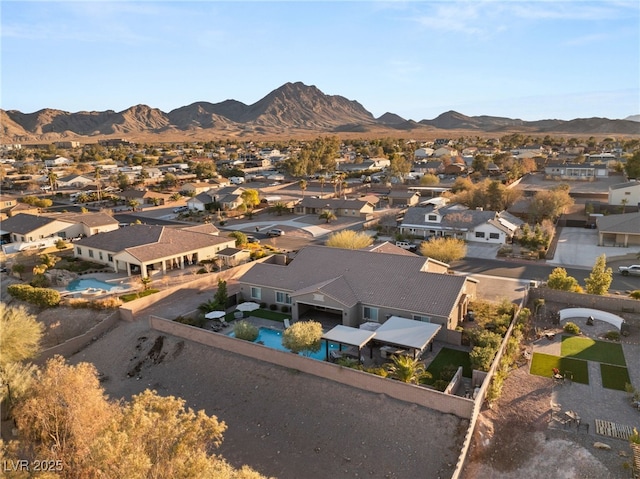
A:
(240, 237)
(407, 369)
(600, 278)
(328, 216)
(549, 204)
(222, 296)
(53, 180)
(278, 208)
(632, 168)
(303, 186)
(133, 204)
(429, 180)
(303, 337)
(349, 239)
(20, 334)
(399, 167)
(558, 279)
(444, 249)
(146, 281)
(18, 268)
(251, 198)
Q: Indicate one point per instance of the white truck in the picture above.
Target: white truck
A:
(633, 270)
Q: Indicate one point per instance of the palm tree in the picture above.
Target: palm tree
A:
(407, 369)
(322, 182)
(279, 208)
(53, 180)
(96, 176)
(328, 216)
(303, 186)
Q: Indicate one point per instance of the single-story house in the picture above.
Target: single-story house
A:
(195, 188)
(625, 193)
(359, 286)
(229, 197)
(74, 181)
(145, 197)
(403, 198)
(460, 222)
(619, 230)
(199, 202)
(340, 207)
(28, 228)
(576, 170)
(143, 249)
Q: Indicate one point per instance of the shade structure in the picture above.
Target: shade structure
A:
(350, 336)
(407, 333)
(215, 315)
(248, 306)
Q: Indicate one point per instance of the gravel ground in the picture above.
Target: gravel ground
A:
(280, 422)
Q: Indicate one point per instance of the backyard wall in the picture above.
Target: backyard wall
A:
(201, 281)
(429, 398)
(75, 344)
(626, 308)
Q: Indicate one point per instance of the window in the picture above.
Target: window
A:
(424, 319)
(479, 234)
(283, 298)
(494, 235)
(370, 313)
(100, 255)
(90, 253)
(256, 293)
(110, 258)
(79, 251)
(432, 217)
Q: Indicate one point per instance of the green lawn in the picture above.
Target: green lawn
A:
(590, 350)
(448, 356)
(268, 314)
(543, 364)
(614, 377)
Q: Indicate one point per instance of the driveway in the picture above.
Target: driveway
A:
(579, 247)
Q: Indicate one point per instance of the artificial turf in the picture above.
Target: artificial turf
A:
(543, 365)
(614, 377)
(448, 356)
(591, 350)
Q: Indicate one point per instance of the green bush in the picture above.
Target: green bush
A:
(635, 294)
(481, 357)
(132, 296)
(198, 322)
(273, 307)
(571, 328)
(440, 384)
(245, 330)
(42, 297)
(612, 335)
(284, 309)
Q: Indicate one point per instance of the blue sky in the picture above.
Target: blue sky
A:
(531, 60)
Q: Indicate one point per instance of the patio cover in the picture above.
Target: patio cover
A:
(351, 336)
(407, 333)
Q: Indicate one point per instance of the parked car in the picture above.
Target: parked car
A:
(406, 245)
(181, 209)
(274, 232)
(252, 239)
(633, 270)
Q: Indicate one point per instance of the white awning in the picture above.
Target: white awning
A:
(407, 333)
(351, 336)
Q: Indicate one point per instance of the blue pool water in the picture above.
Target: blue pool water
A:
(86, 283)
(273, 339)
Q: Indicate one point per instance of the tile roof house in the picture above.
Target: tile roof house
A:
(576, 170)
(358, 207)
(625, 193)
(358, 286)
(141, 249)
(403, 198)
(619, 230)
(460, 222)
(28, 230)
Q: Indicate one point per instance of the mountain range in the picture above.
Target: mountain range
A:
(294, 109)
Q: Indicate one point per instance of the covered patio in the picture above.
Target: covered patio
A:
(345, 335)
(400, 334)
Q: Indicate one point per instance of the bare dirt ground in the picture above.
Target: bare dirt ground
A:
(280, 422)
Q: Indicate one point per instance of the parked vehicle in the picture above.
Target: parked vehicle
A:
(274, 232)
(252, 239)
(406, 245)
(633, 270)
(181, 209)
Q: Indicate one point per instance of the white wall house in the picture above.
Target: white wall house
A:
(625, 193)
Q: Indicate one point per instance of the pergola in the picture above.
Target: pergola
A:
(407, 333)
(349, 336)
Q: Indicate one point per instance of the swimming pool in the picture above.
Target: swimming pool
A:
(273, 339)
(89, 283)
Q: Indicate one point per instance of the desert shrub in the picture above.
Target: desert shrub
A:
(273, 307)
(198, 322)
(635, 294)
(571, 328)
(263, 305)
(39, 281)
(202, 271)
(284, 309)
(245, 330)
(612, 335)
(42, 297)
(481, 357)
(495, 388)
(349, 363)
(378, 371)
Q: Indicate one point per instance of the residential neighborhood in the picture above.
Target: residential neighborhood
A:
(453, 279)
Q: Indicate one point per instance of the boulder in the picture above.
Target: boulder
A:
(60, 277)
(602, 445)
